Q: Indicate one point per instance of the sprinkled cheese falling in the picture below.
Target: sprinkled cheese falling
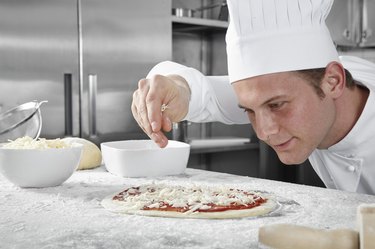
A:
(42, 143)
(191, 199)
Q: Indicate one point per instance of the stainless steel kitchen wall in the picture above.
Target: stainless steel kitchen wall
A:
(106, 46)
(38, 44)
(122, 40)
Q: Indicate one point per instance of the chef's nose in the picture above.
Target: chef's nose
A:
(266, 126)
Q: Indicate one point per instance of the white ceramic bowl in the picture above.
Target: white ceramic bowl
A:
(140, 158)
(39, 167)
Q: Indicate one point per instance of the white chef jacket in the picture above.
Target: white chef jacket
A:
(348, 165)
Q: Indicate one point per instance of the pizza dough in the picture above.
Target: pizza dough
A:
(189, 202)
(91, 154)
(283, 236)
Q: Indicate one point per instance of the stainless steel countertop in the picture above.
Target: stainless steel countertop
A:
(70, 215)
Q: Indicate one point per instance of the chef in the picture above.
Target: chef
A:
(286, 78)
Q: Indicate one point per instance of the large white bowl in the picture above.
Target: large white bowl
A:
(141, 158)
(39, 167)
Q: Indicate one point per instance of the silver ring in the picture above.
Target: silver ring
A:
(163, 107)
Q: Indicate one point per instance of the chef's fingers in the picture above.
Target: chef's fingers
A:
(139, 100)
(166, 123)
(142, 108)
(156, 98)
(159, 138)
(134, 110)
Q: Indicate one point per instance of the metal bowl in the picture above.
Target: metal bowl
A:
(20, 121)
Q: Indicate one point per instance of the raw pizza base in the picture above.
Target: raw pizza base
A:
(267, 207)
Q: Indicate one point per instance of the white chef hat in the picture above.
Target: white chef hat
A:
(269, 36)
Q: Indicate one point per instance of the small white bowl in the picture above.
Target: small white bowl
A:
(38, 168)
(142, 158)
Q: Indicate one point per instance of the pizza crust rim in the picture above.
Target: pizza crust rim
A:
(264, 209)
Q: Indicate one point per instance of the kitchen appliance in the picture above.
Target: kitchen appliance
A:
(85, 57)
(351, 23)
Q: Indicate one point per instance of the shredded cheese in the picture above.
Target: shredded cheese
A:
(41, 143)
(189, 198)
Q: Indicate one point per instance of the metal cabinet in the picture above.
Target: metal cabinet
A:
(38, 44)
(352, 23)
(85, 57)
(121, 42)
(368, 24)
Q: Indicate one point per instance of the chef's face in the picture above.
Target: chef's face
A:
(287, 113)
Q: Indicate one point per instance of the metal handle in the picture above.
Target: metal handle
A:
(68, 105)
(367, 33)
(353, 26)
(366, 30)
(93, 84)
(347, 34)
(355, 20)
(179, 131)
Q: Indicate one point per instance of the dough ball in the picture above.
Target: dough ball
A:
(366, 225)
(284, 236)
(91, 155)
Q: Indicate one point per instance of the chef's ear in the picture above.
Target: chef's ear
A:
(334, 79)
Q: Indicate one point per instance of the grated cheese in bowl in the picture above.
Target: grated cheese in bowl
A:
(41, 143)
(39, 163)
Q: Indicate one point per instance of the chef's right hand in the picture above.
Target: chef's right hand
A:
(172, 91)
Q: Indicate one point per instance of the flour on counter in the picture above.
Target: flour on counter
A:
(70, 215)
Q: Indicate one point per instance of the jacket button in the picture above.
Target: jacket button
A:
(351, 168)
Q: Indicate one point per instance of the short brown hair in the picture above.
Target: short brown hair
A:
(315, 76)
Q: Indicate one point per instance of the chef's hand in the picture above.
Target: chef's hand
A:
(172, 91)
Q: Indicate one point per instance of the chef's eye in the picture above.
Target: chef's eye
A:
(248, 111)
(276, 106)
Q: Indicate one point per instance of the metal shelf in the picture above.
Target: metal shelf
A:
(189, 24)
(214, 145)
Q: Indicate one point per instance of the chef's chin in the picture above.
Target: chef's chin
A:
(291, 159)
